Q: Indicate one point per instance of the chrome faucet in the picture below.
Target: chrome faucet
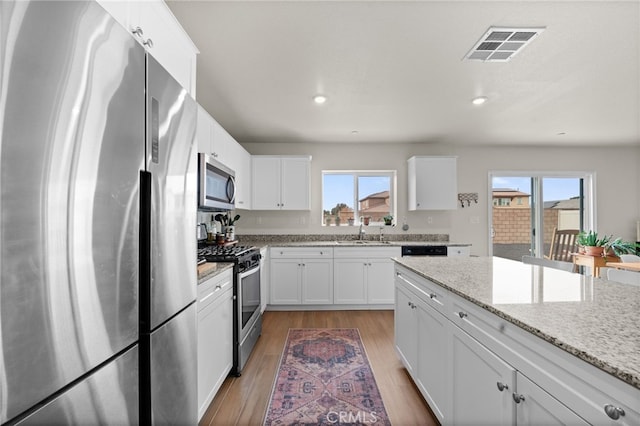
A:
(361, 232)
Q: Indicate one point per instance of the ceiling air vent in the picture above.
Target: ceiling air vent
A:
(502, 44)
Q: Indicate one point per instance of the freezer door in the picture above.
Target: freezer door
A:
(171, 161)
(173, 375)
(109, 396)
(71, 128)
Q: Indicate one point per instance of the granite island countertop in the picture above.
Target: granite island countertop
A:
(591, 318)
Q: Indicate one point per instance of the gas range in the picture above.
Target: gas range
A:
(245, 257)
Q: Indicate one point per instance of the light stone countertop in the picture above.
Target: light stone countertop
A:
(592, 318)
(211, 269)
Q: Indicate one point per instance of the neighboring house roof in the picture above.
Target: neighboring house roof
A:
(570, 204)
(383, 194)
(506, 192)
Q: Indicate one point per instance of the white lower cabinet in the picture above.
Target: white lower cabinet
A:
(473, 368)
(215, 336)
(301, 276)
(364, 275)
(537, 407)
(422, 341)
(477, 376)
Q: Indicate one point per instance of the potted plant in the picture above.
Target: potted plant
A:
(593, 244)
(618, 247)
(388, 219)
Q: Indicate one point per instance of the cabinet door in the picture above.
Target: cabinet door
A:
(220, 142)
(317, 281)
(537, 407)
(433, 359)
(285, 282)
(406, 328)
(243, 179)
(295, 184)
(172, 47)
(349, 283)
(380, 282)
(265, 178)
(215, 348)
(203, 131)
(476, 373)
(432, 183)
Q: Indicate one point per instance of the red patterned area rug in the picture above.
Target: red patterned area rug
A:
(325, 379)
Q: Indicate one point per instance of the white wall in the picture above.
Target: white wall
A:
(617, 183)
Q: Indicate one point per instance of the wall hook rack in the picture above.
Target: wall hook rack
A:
(468, 197)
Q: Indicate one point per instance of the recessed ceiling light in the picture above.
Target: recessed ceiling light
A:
(319, 99)
(479, 100)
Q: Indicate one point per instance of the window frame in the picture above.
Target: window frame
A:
(393, 182)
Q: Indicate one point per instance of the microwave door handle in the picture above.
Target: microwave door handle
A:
(231, 184)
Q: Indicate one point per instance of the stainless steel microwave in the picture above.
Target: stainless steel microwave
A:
(216, 184)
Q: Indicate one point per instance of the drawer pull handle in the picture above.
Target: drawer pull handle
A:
(502, 386)
(462, 314)
(613, 412)
(518, 398)
(207, 296)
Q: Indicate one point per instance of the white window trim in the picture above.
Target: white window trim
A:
(589, 179)
(392, 174)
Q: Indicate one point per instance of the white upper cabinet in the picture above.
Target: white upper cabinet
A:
(281, 183)
(239, 160)
(432, 183)
(214, 140)
(153, 25)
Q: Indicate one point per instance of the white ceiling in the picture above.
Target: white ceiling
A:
(393, 71)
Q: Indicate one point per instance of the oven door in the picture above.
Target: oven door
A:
(249, 298)
(216, 184)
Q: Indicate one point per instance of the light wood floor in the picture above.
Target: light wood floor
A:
(243, 400)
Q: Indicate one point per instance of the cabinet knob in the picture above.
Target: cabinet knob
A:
(137, 31)
(462, 314)
(432, 295)
(148, 42)
(502, 386)
(613, 411)
(518, 398)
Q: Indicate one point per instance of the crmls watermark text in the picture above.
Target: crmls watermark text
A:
(351, 417)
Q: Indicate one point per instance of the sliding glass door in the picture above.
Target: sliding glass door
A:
(526, 208)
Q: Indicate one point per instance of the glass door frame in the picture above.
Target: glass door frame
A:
(588, 219)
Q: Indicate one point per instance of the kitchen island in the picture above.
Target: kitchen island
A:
(575, 337)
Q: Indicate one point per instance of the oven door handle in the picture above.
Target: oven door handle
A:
(249, 272)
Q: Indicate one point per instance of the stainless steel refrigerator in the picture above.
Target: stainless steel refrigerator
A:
(97, 212)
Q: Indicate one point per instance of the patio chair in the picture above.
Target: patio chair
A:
(563, 243)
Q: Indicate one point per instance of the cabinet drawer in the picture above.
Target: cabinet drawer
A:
(462, 251)
(367, 252)
(301, 252)
(213, 288)
(432, 294)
